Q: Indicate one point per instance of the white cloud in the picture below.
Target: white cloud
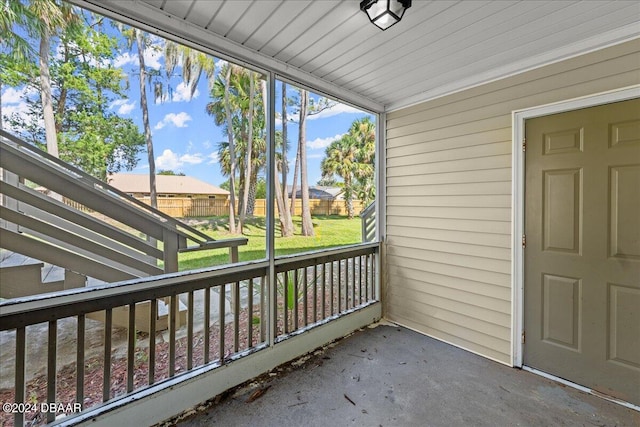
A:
(213, 158)
(178, 120)
(169, 160)
(334, 111)
(124, 106)
(14, 104)
(21, 110)
(152, 56)
(182, 92)
(315, 156)
(207, 144)
(323, 142)
(15, 96)
(125, 59)
(192, 159)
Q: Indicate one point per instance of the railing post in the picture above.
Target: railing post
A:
(170, 249)
(233, 254)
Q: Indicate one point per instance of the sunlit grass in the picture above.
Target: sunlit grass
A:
(330, 231)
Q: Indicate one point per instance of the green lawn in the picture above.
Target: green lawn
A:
(330, 231)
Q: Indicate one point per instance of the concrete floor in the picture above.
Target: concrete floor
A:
(391, 376)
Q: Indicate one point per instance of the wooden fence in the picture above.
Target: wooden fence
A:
(318, 207)
(179, 207)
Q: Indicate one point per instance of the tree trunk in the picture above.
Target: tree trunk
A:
(232, 154)
(294, 184)
(253, 186)
(282, 211)
(45, 94)
(307, 224)
(145, 120)
(247, 162)
(349, 198)
(285, 213)
(285, 161)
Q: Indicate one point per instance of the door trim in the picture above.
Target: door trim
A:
(517, 198)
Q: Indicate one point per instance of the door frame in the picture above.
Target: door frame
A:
(517, 197)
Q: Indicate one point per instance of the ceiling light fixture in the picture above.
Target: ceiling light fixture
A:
(384, 13)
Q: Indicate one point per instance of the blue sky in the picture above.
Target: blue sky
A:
(185, 138)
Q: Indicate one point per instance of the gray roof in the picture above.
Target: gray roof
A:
(319, 192)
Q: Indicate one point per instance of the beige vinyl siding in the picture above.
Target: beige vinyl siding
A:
(448, 214)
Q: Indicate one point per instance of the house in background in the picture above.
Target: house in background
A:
(137, 185)
(320, 192)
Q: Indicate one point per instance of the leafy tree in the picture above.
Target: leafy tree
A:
(42, 20)
(170, 173)
(83, 86)
(14, 47)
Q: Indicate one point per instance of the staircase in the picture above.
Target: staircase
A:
(112, 237)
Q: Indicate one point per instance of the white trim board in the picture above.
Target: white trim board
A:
(517, 200)
(581, 388)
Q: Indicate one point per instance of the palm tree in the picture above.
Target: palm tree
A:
(232, 154)
(225, 102)
(141, 43)
(352, 159)
(307, 224)
(134, 35)
(248, 152)
(341, 159)
(363, 131)
(246, 126)
(286, 223)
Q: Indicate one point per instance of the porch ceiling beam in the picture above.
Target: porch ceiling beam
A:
(165, 25)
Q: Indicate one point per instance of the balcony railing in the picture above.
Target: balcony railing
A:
(309, 290)
(368, 216)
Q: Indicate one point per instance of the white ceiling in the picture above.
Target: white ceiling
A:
(439, 47)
